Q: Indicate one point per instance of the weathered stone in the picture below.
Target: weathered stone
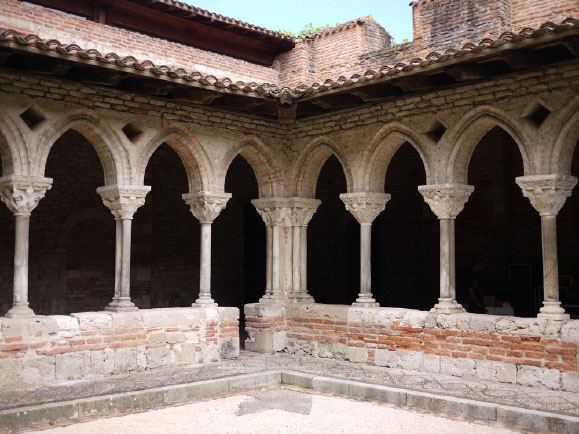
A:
(496, 371)
(38, 369)
(94, 320)
(570, 331)
(228, 348)
(533, 376)
(332, 350)
(184, 354)
(174, 337)
(72, 366)
(411, 360)
(357, 354)
(570, 381)
(383, 357)
(126, 320)
(158, 357)
(102, 362)
(521, 326)
(158, 339)
(13, 327)
(125, 359)
(458, 367)
(10, 372)
(430, 363)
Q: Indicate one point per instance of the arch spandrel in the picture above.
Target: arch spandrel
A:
(566, 130)
(13, 151)
(187, 146)
(382, 148)
(263, 162)
(96, 131)
(463, 139)
(306, 170)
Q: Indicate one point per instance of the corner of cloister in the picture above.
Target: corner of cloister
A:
(164, 200)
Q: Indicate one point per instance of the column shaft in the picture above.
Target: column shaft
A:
(20, 295)
(275, 260)
(365, 258)
(303, 259)
(296, 262)
(205, 273)
(550, 263)
(446, 256)
(118, 257)
(269, 261)
(125, 303)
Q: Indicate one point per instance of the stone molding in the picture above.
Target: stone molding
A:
(274, 211)
(365, 206)
(206, 206)
(123, 200)
(547, 193)
(446, 200)
(21, 194)
(302, 210)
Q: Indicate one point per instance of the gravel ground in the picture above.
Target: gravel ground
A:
(281, 410)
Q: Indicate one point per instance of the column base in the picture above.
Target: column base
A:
(204, 302)
(301, 297)
(20, 311)
(365, 300)
(553, 310)
(273, 299)
(121, 305)
(447, 306)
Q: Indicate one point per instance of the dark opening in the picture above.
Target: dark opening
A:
(333, 242)
(405, 239)
(165, 238)
(500, 228)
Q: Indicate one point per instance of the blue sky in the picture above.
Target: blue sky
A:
(394, 15)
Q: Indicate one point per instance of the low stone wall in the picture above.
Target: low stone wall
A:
(46, 349)
(527, 351)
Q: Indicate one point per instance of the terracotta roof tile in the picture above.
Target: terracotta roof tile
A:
(9, 37)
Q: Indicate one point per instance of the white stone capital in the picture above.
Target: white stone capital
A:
(21, 194)
(547, 193)
(446, 200)
(302, 210)
(274, 211)
(206, 206)
(123, 200)
(365, 206)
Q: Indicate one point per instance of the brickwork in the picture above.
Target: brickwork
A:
(92, 344)
(534, 13)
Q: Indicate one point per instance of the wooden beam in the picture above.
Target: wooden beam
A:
(198, 96)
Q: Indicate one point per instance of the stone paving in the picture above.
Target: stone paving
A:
(536, 398)
(282, 410)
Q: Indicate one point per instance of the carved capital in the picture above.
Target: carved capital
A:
(274, 211)
(123, 200)
(547, 193)
(365, 207)
(206, 206)
(302, 210)
(446, 200)
(21, 194)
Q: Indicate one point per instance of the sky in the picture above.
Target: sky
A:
(394, 15)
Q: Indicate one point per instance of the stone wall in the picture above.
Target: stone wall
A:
(527, 351)
(47, 349)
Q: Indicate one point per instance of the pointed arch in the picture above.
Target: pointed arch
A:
(193, 156)
(265, 167)
(13, 151)
(465, 137)
(567, 129)
(309, 164)
(96, 131)
(380, 151)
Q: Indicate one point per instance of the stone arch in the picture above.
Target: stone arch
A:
(13, 152)
(380, 151)
(566, 140)
(95, 130)
(193, 156)
(263, 163)
(467, 134)
(309, 165)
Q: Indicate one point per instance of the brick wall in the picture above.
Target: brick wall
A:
(48, 349)
(533, 13)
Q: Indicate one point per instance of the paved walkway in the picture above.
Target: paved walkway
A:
(537, 398)
(285, 411)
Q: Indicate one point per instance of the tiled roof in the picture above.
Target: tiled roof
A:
(526, 36)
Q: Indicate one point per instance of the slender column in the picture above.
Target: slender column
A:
(447, 201)
(123, 201)
(21, 195)
(269, 260)
(365, 207)
(302, 210)
(275, 213)
(547, 194)
(206, 206)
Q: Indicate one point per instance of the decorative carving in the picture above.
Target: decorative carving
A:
(364, 206)
(302, 210)
(21, 194)
(547, 193)
(123, 200)
(274, 211)
(446, 200)
(206, 206)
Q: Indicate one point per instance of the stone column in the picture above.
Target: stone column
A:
(447, 201)
(302, 210)
(21, 195)
(547, 194)
(365, 207)
(275, 213)
(123, 201)
(206, 206)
